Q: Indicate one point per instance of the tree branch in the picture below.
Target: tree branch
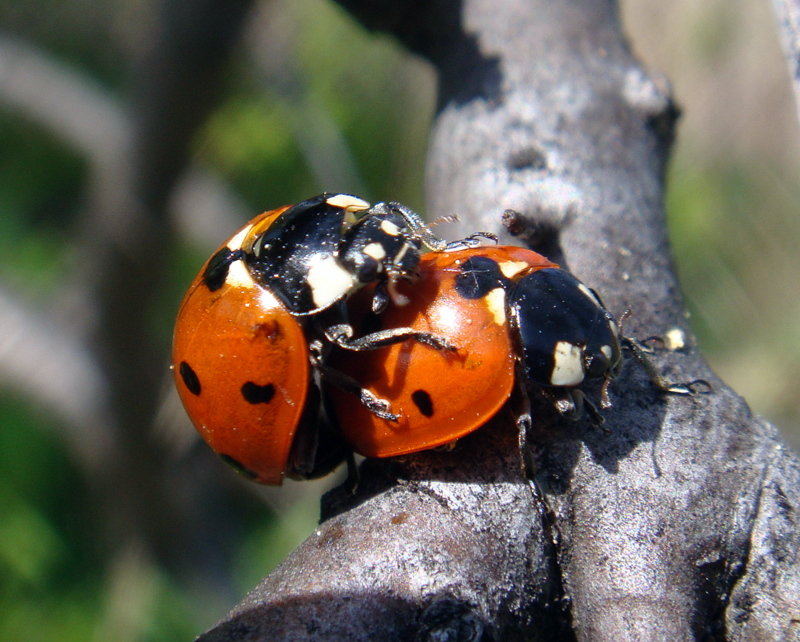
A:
(788, 14)
(663, 526)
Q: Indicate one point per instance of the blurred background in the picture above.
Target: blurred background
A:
(135, 138)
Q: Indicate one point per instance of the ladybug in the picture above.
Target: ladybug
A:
(511, 313)
(255, 327)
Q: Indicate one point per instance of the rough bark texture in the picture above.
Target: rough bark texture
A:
(678, 521)
(788, 15)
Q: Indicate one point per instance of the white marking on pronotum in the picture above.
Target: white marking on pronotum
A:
(348, 202)
(375, 251)
(238, 276)
(510, 269)
(390, 228)
(328, 281)
(496, 302)
(591, 295)
(236, 241)
(567, 365)
(607, 352)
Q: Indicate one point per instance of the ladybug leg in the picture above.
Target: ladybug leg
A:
(640, 350)
(353, 476)
(380, 299)
(520, 406)
(377, 406)
(587, 405)
(524, 424)
(567, 405)
(422, 230)
(573, 404)
(605, 401)
(342, 335)
(473, 240)
(693, 387)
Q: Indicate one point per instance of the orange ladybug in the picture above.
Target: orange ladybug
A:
(257, 321)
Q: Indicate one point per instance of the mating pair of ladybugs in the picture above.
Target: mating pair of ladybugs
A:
(409, 350)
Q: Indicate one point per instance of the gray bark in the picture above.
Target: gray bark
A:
(678, 521)
(788, 14)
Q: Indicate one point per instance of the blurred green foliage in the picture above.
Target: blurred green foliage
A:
(733, 223)
(48, 560)
(40, 190)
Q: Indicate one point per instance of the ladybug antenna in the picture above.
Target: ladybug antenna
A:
(420, 228)
(439, 220)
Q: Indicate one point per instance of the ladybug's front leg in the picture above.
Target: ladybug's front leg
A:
(695, 386)
(342, 335)
(377, 406)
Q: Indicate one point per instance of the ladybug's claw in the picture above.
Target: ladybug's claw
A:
(694, 387)
(435, 341)
(377, 406)
(473, 240)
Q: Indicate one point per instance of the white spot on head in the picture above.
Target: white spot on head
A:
(390, 228)
(348, 202)
(401, 254)
(235, 243)
(589, 294)
(510, 269)
(328, 280)
(375, 251)
(567, 365)
(607, 352)
(496, 302)
(239, 276)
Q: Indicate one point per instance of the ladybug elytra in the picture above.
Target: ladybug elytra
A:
(412, 349)
(502, 307)
(256, 323)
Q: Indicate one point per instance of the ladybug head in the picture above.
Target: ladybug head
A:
(566, 335)
(381, 247)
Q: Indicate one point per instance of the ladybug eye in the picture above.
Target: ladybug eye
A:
(367, 270)
(596, 365)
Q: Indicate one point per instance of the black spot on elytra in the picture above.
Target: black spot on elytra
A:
(478, 276)
(239, 468)
(253, 393)
(422, 400)
(190, 378)
(217, 269)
